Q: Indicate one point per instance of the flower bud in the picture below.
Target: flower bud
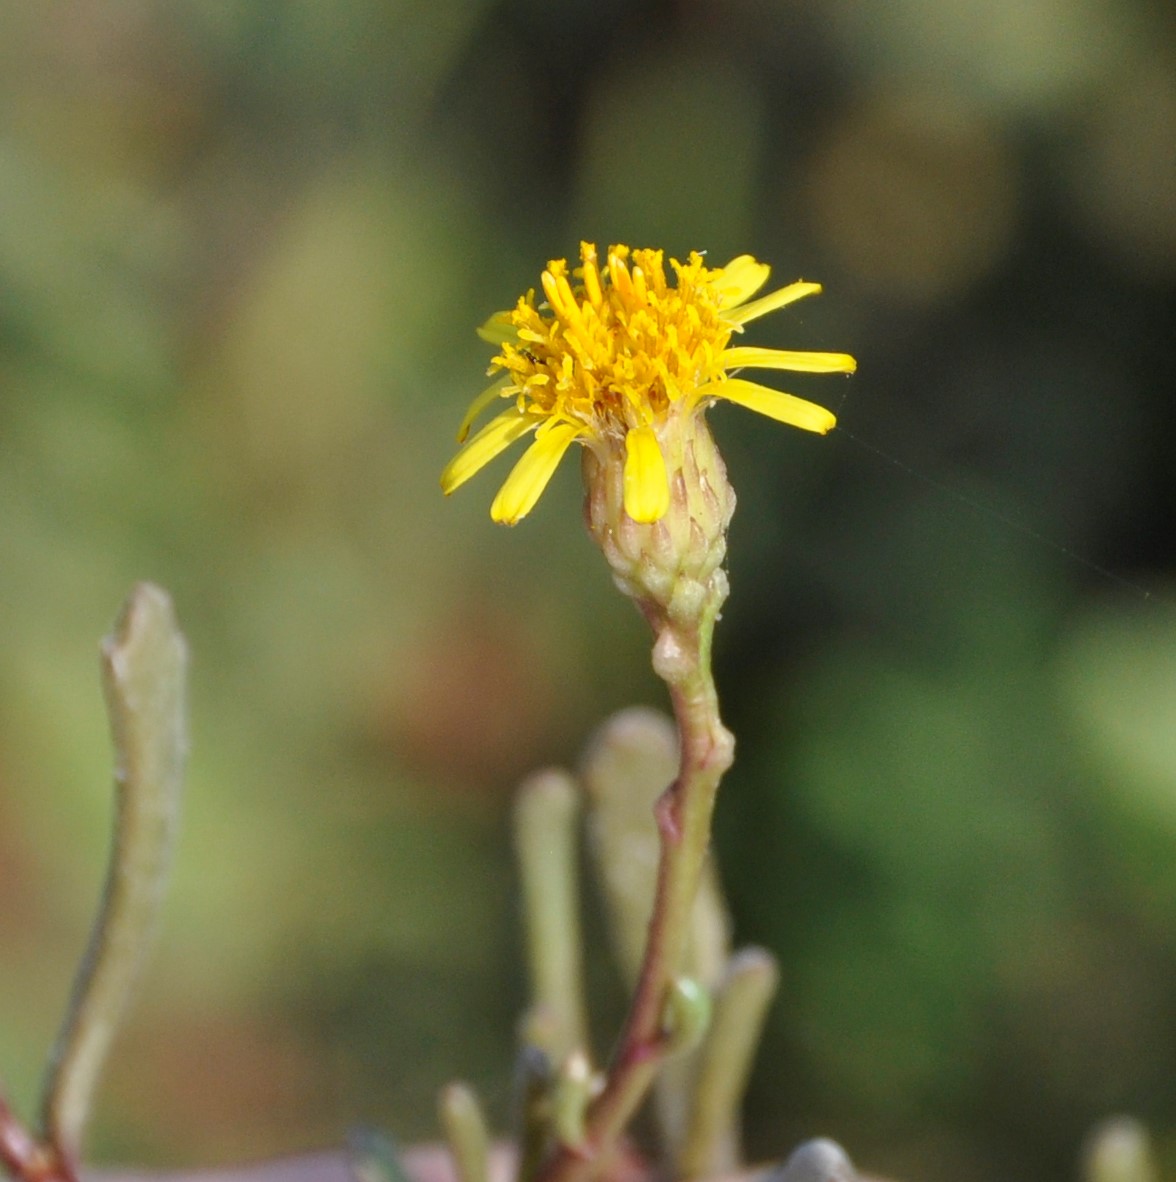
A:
(672, 567)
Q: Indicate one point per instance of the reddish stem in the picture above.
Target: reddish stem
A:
(26, 1158)
(683, 814)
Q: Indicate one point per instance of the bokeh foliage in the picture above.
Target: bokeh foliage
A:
(242, 249)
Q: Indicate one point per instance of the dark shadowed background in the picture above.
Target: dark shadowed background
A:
(243, 248)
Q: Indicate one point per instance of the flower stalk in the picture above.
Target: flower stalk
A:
(683, 815)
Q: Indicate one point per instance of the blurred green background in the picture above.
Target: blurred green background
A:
(243, 248)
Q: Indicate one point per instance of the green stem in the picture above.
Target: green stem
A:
(546, 812)
(143, 666)
(710, 1147)
(683, 814)
(465, 1131)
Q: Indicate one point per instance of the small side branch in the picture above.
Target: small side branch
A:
(143, 672)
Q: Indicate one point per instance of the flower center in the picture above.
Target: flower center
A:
(618, 349)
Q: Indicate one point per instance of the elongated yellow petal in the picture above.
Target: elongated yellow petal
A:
(499, 329)
(496, 436)
(529, 477)
(769, 303)
(784, 408)
(647, 487)
(741, 279)
(787, 359)
(479, 404)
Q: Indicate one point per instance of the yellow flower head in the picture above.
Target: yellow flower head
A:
(613, 356)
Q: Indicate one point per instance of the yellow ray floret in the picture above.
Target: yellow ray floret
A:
(612, 354)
